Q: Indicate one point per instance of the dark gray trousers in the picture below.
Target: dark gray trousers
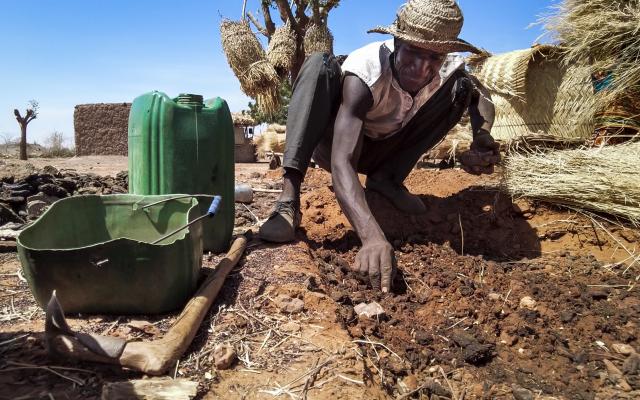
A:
(314, 104)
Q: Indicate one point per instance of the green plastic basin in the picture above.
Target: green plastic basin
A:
(96, 252)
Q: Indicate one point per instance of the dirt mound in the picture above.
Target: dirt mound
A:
(545, 325)
(474, 217)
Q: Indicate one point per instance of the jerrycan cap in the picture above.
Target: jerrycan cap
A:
(188, 99)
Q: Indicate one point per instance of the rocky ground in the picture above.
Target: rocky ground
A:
(493, 299)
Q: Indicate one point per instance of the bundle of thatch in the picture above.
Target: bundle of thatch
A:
(273, 139)
(534, 93)
(247, 59)
(281, 52)
(318, 38)
(605, 36)
(602, 180)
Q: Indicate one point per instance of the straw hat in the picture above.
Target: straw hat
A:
(429, 24)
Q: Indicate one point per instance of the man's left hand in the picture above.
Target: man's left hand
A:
(483, 155)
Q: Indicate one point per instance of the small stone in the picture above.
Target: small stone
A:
(370, 310)
(494, 296)
(423, 337)
(9, 234)
(88, 190)
(20, 193)
(50, 170)
(623, 349)
(42, 197)
(567, 316)
(289, 305)
(14, 226)
(520, 393)
(507, 339)
(598, 293)
(224, 356)
(528, 302)
(36, 208)
(409, 384)
(53, 190)
(290, 327)
(522, 206)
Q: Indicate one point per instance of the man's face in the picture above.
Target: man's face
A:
(415, 67)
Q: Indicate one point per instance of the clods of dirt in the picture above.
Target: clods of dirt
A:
(505, 322)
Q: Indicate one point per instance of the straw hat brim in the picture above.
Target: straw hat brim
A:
(440, 46)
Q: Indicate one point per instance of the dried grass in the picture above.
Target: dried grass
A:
(246, 57)
(269, 141)
(534, 93)
(318, 38)
(604, 35)
(601, 180)
(281, 52)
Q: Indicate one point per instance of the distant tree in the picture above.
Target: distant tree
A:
(30, 115)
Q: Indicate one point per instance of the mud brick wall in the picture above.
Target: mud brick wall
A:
(245, 153)
(101, 129)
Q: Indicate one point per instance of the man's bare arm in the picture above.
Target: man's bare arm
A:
(485, 151)
(375, 259)
(481, 110)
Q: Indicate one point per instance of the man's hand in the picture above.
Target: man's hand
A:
(377, 261)
(484, 154)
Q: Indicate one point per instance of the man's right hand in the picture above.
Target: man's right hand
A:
(376, 261)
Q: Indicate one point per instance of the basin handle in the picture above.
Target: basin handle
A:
(213, 208)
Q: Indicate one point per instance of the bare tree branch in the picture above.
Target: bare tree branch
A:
(330, 4)
(285, 10)
(317, 19)
(301, 7)
(283, 6)
(244, 9)
(268, 21)
(259, 27)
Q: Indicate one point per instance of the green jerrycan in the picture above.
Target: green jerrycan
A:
(183, 145)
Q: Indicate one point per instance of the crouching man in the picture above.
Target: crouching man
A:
(377, 114)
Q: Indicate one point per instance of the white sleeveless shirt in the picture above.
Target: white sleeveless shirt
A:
(392, 107)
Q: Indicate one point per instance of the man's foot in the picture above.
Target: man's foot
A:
(281, 225)
(398, 194)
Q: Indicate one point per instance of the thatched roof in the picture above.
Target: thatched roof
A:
(240, 119)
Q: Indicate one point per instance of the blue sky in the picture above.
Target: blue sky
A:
(69, 52)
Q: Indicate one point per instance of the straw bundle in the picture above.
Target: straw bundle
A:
(281, 52)
(604, 35)
(270, 140)
(247, 59)
(533, 93)
(602, 180)
(318, 38)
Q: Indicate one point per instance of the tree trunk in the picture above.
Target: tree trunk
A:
(23, 141)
